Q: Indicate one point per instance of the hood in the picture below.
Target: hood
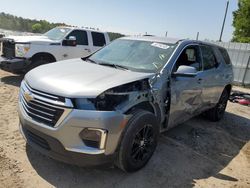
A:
(41, 39)
(76, 78)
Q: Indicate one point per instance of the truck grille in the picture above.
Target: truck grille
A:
(8, 49)
(42, 107)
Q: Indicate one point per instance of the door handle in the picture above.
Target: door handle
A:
(199, 80)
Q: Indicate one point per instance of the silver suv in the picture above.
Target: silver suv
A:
(111, 106)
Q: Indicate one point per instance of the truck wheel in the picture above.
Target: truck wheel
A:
(139, 141)
(217, 113)
(41, 60)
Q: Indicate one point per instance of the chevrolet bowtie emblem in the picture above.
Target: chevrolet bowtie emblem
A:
(28, 96)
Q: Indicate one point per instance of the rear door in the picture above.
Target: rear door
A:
(212, 76)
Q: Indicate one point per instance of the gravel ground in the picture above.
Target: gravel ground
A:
(197, 153)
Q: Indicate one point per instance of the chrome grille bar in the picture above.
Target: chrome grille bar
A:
(35, 114)
(35, 109)
(42, 107)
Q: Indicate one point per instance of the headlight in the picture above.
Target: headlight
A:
(21, 49)
(114, 97)
(104, 102)
(108, 101)
(84, 104)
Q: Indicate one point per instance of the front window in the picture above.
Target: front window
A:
(80, 35)
(135, 55)
(190, 57)
(57, 33)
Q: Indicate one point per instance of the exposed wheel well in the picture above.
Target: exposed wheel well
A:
(143, 106)
(44, 56)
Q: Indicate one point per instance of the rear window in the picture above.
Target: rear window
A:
(98, 39)
(209, 60)
(225, 55)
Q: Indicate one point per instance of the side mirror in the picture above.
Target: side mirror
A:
(185, 71)
(69, 42)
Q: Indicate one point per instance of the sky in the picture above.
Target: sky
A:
(180, 18)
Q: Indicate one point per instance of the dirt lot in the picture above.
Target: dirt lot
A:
(198, 153)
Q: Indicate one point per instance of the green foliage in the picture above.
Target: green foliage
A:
(10, 22)
(241, 22)
(114, 36)
(37, 28)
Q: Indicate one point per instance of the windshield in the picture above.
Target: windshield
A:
(135, 55)
(57, 33)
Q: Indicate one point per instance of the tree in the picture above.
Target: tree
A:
(241, 22)
(8, 21)
(37, 28)
(114, 36)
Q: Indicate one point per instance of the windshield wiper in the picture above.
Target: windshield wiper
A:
(90, 60)
(113, 65)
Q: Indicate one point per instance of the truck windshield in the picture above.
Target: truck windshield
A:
(57, 33)
(135, 55)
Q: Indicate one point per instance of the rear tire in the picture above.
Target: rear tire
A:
(139, 141)
(217, 113)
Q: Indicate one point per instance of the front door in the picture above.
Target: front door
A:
(186, 92)
(81, 49)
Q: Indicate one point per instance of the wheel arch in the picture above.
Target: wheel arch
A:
(43, 55)
(228, 88)
(147, 106)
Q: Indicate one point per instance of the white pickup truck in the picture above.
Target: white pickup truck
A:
(23, 53)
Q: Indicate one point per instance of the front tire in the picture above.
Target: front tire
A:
(139, 141)
(40, 60)
(217, 113)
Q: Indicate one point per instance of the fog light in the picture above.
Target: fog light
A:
(94, 137)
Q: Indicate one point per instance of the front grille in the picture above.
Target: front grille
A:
(8, 49)
(40, 106)
(42, 113)
(37, 139)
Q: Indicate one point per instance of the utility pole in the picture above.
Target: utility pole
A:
(222, 28)
(197, 36)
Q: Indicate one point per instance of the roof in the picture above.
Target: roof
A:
(167, 40)
(83, 28)
(153, 39)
